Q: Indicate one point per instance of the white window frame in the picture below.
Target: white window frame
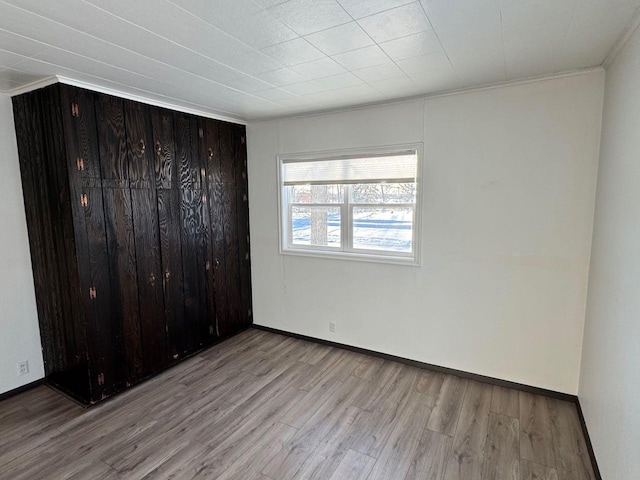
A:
(346, 252)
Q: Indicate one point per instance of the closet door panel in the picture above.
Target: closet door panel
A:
(105, 334)
(229, 218)
(169, 206)
(139, 145)
(149, 270)
(112, 141)
(163, 148)
(190, 170)
(242, 201)
(124, 277)
(79, 116)
(194, 267)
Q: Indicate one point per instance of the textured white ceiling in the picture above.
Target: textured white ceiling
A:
(251, 59)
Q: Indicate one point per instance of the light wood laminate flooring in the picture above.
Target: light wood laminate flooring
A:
(263, 406)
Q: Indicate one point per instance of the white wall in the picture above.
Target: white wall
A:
(19, 333)
(610, 376)
(509, 176)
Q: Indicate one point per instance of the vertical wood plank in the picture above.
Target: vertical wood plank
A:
(139, 145)
(149, 269)
(106, 368)
(186, 151)
(110, 123)
(242, 200)
(163, 148)
(194, 263)
(124, 277)
(169, 206)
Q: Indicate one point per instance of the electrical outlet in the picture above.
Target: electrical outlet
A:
(332, 327)
(23, 368)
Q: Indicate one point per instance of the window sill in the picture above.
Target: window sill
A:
(357, 257)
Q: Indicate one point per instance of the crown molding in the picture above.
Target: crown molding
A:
(122, 94)
(622, 40)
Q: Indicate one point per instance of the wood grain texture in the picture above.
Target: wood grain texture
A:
(190, 422)
(505, 401)
(502, 460)
(169, 208)
(535, 471)
(194, 265)
(572, 457)
(124, 277)
(536, 440)
(467, 454)
(165, 166)
(114, 159)
(431, 456)
(149, 268)
(140, 149)
(138, 227)
(447, 406)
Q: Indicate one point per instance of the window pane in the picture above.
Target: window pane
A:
(316, 194)
(383, 193)
(383, 228)
(316, 226)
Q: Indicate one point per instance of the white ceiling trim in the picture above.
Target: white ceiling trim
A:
(460, 91)
(45, 82)
(149, 101)
(622, 40)
(119, 93)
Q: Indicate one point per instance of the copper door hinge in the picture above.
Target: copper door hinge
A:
(92, 292)
(75, 110)
(200, 133)
(101, 379)
(84, 200)
(80, 163)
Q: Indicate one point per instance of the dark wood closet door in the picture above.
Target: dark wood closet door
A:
(169, 211)
(199, 325)
(103, 331)
(110, 122)
(242, 201)
(140, 151)
(149, 269)
(229, 220)
(124, 277)
(165, 166)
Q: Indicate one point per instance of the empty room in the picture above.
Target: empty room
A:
(320, 239)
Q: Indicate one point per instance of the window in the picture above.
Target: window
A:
(359, 205)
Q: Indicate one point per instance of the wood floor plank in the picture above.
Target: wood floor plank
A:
(262, 406)
(536, 440)
(394, 461)
(446, 410)
(572, 457)
(429, 384)
(502, 457)
(290, 460)
(505, 401)
(373, 436)
(467, 454)
(535, 471)
(431, 456)
(354, 466)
